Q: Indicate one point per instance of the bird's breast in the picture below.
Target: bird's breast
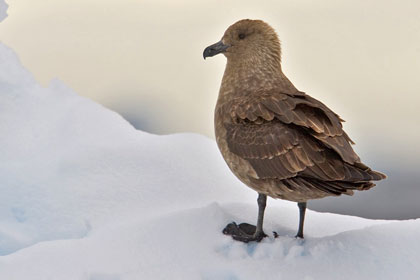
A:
(239, 166)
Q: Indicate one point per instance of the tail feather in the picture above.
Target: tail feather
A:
(357, 177)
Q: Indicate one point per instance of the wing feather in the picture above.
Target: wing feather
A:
(297, 140)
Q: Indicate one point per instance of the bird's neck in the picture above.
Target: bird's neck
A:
(245, 77)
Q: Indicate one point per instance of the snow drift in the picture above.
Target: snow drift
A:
(83, 195)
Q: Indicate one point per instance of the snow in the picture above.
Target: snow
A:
(3, 10)
(83, 195)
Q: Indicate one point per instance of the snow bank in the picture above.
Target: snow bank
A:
(69, 164)
(83, 195)
(3, 10)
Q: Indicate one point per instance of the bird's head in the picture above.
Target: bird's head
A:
(251, 40)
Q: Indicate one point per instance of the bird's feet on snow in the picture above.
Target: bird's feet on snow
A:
(243, 232)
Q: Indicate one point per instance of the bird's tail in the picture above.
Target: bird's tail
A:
(371, 174)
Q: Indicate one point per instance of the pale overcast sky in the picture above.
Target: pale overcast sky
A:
(144, 60)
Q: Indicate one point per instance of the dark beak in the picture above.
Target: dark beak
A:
(214, 49)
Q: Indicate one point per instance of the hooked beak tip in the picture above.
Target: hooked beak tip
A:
(214, 49)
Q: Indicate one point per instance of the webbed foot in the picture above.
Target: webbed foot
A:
(244, 232)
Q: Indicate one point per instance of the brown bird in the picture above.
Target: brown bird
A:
(276, 139)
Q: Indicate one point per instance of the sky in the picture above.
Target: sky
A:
(143, 59)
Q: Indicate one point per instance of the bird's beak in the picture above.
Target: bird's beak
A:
(214, 49)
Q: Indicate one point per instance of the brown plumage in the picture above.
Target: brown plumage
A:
(276, 139)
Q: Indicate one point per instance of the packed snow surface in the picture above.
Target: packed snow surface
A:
(83, 195)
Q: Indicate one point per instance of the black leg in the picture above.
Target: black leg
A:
(246, 232)
(302, 209)
(262, 202)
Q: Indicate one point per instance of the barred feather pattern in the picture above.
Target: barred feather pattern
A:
(298, 142)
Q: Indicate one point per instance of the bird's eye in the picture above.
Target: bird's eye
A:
(241, 36)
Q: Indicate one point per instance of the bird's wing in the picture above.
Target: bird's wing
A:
(302, 111)
(282, 136)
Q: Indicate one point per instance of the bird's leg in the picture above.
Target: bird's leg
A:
(262, 202)
(246, 232)
(302, 209)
